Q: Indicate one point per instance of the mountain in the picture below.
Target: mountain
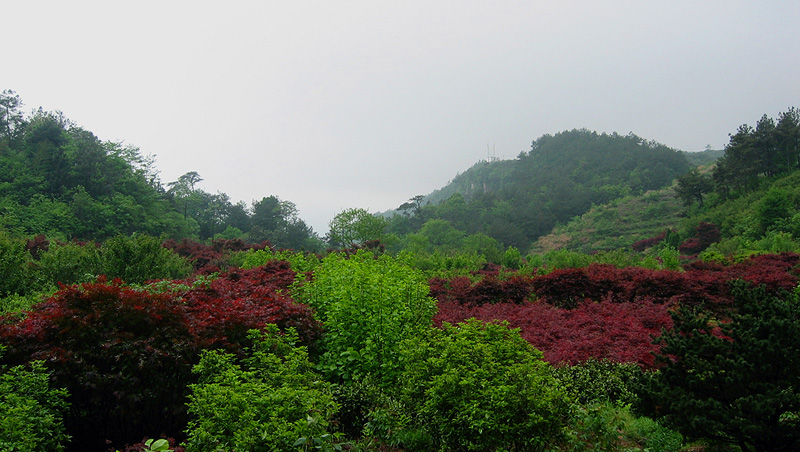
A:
(562, 176)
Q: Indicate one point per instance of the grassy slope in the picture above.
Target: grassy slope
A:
(617, 224)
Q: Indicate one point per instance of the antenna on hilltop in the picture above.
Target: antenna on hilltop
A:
(492, 157)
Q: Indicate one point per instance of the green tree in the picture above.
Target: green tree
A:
(788, 138)
(13, 266)
(771, 209)
(692, 186)
(354, 227)
(735, 379)
(11, 119)
(442, 235)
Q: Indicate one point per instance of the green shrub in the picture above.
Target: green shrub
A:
(482, 387)
(300, 262)
(13, 265)
(600, 381)
(652, 435)
(70, 263)
(596, 427)
(273, 402)
(512, 258)
(18, 303)
(31, 411)
(368, 306)
(140, 258)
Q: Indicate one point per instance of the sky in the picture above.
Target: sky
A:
(335, 105)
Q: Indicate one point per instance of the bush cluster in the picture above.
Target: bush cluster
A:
(125, 355)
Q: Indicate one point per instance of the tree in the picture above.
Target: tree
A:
(278, 221)
(414, 205)
(355, 227)
(692, 186)
(11, 120)
(737, 379)
(183, 189)
(788, 138)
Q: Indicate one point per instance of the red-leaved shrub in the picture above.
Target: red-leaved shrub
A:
(125, 355)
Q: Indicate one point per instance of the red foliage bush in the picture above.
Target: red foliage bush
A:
(488, 289)
(37, 245)
(691, 246)
(125, 355)
(620, 332)
(207, 259)
(240, 300)
(642, 245)
(602, 311)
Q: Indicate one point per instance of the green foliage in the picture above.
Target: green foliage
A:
(616, 224)
(268, 403)
(600, 381)
(70, 263)
(693, 186)
(670, 258)
(139, 258)
(653, 436)
(512, 258)
(441, 265)
(610, 427)
(300, 262)
(368, 306)
(13, 265)
(595, 426)
(355, 227)
(772, 208)
(481, 387)
(18, 303)
(566, 259)
(734, 380)
(31, 411)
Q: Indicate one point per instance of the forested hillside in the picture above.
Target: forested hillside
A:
(59, 179)
(563, 175)
(750, 194)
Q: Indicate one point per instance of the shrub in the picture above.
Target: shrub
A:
(13, 266)
(70, 263)
(368, 306)
(123, 355)
(224, 310)
(31, 410)
(512, 258)
(218, 256)
(140, 258)
(620, 332)
(273, 402)
(600, 381)
(481, 387)
(733, 379)
(126, 355)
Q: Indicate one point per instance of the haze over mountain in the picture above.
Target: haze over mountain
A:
(335, 105)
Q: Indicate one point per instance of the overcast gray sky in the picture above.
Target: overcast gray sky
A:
(338, 104)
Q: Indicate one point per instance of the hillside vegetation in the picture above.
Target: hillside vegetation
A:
(659, 316)
(562, 176)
